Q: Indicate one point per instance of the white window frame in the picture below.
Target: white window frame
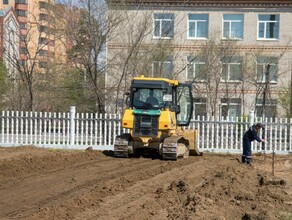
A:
(264, 68)
(230, 27)
(196, 27)
(270, 105)
(237, 104)
(228, 64)
(199, 103)
(265, 27)
(160, 26)
(194, 64)
(160, 63)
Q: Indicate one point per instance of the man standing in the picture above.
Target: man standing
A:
(249, 136)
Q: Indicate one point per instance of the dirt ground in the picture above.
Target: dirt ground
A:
(38, 183)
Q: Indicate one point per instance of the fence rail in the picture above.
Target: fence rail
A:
(81, 130)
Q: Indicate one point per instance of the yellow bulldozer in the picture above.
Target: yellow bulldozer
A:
(158, 109)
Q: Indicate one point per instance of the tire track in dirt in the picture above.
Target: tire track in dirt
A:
(44, 170)
(43, 160)
(115, 182)
(41, 184)
(24, 198)
(135, 200)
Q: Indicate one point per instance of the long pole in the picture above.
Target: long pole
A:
(267, 81)
(290, 96)
(273, 161)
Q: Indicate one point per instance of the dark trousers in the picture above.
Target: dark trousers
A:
(246, 153)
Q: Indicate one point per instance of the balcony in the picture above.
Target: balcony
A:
(21, 13)
(23, 2)
(21, 6)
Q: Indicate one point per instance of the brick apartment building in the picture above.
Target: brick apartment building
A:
(36, 23)
(249, 43)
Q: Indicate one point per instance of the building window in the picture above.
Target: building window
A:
(198, 26)
(43, 17)
(23, 50)
(22, 63)
(22, 38)
(43, 52)
(267, 109)
(21, 13)
(5, 2)
(43, 64)
(195, 69)
(52, 43)
(268, 26)
(43, 28)
(43, 5)
(23, 25)
(21, 2)
(231, 69)
(163, 25)
(162, 68)
(267, 69)
(233, 26)
(231, 107)
(43, 40)
(200, 107)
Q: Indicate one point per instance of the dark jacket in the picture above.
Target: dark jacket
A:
(251, 134)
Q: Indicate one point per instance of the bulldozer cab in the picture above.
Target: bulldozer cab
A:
(156, 109)
(151, 95)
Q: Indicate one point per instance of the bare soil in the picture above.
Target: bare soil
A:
(37, 183)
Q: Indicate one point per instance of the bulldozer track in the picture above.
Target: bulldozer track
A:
(170, 147)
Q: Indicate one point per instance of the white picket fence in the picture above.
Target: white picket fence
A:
(225, 134)
(81, 130)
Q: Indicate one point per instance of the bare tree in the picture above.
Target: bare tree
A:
(267, 73)
(213, 74)
(34, 55)
(285, 100)
(87, 29)
(133, 51)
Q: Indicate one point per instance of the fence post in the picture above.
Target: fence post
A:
(72, 124)
(251, 117)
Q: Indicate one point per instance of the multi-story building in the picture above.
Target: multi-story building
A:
(9, 40)
(37, 25)
(236, 53)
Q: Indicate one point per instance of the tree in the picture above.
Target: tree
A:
(230, 66)
(285, 100)
(211, 74)
(69, 92)
(87, 29)
(130, 53)
(32, 62)
(4, 85)
(272, 72)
